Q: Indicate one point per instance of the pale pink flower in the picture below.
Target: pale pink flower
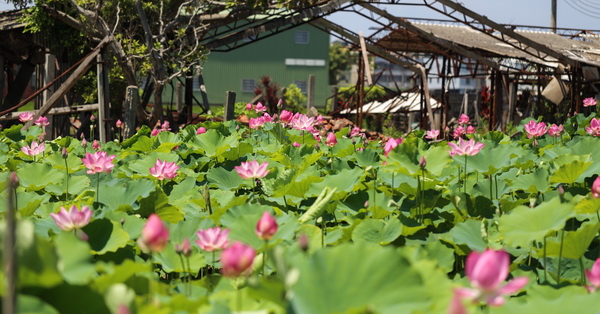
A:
(237, 260)
(92, 118)
(487, 272)
(296, 144)
(266, 226)
(596, 188)
(286, 116)
(589, 102)
(594, 128)
(41, 122)
(155, 132)
(469, 148)
(302, 122)
(319, 119)
(249, 106)
(34, 149)
(593, 276)
(252, 170)
(212, 239)
(98, 162)
(390, 145)
(464, 119)
(25, 116)
(255, 123)
(166, 126)
(267, 118)
(184, 248)
(164, 170)
(331, 139)
(459, 131)
(555, 130)
(119, 124)
(73, 218)
(260, 107)
(535, 129)
(432, 134)
(155, 235)
(355, 132)
(201, 130)
(470, 129)
(84, 143)
(95, 145)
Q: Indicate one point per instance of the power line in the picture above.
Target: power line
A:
(585, 10)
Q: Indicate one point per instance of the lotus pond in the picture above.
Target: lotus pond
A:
(221, 218)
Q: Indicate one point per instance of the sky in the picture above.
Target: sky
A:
(583, 14)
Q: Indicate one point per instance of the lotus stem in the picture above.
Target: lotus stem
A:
(545, 265)
(67, 180)
(465, 183)
(265, 257)
(9, 304)
(98, 189)
(582, 272)
(562, 240)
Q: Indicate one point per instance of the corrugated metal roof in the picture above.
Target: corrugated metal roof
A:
(9, 20)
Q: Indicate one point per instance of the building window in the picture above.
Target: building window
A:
(305, 62)
(301, 37)
(303, 86)
(248, 85)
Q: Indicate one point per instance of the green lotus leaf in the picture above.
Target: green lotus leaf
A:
(469, 233)
(224, 179)
(144, 131)
(575, 243)
(105, 236)
(491, 159)
(213, 144)
(33, 305)
(377, 231)
(126, 194)
(36, 176)
(158, 202)
(172, 262)
(536, 182)
(569, 172)
(74, 259)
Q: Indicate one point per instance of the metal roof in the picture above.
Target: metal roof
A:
(9, 20)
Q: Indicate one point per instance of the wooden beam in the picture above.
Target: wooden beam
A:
(54, 111)
(365, 57)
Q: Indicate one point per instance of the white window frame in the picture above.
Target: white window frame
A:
(302, 37)
(244, 83)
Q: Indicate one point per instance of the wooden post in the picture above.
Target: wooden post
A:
(360, 86)
(49, 75)
(131, 100)
(2, 80)
(203, 93)
(189, 96)
(512, 101)
(9, 304)
(179, 99)
(102, 97)
(229, 106)
(366, 68)
(311, 92)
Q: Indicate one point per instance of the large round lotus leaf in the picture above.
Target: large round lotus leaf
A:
(358, 278)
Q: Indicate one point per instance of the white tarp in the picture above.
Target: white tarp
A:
(405, 102)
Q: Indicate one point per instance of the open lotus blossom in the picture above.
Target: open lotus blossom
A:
(470, 129)
(286, 116)
(459, 131)
(390, 145)
(155, 132)
(41, 122)
(98, 162)
(432, 134)
(201, 130)
(593, 276)
(331, 139)
(487, 272)
(266, 226)
(469, 148)
(34, 148)
(237, 260)
(355, 132)
(260, 107)
(252, 170)
(594, 128)
(555, 130)
(463, 119)
(589, 102)
(596, 188)
(184, 248)
(212, 239)
(73, 218)
(25, 116)
(164, 170)
(166, 126)
(535, 129)
(155, 235)
(302, 122)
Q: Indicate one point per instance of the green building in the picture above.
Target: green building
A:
(288, 57)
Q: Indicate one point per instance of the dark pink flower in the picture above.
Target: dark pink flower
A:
(184, 248)
(469, 148)
(286, 116)
(260, 107)
(34, 148)
(589, 102)
(432, 134)
(164, 170)
(331, 139)
(459, 131)
(41, 122)
(470, 129)
(296, 144)
(155, 132)
(252, 170)
(355, 132)
(594, 128)
(237, 260)
(201, 130)
(593, 276)
(596, 188)
(555, 130)
(463, 120)
(390, 145)
(535, 129)
(98, 162)
(95, 145)
(155, 235)
(119, 124)
(266, 226)
(212, 239)
(25, 116)
(166, 126)
(249, 106)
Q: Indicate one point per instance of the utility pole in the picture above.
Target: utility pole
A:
(553, 16)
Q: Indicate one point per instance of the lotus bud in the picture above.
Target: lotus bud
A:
(266, 226)
(303, 242)
(65, 153)
(422, 163)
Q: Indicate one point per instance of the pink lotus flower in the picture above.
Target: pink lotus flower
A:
(25, 116)
(432, 134)
(534, 129)
(296, 144)
(589, 102)
(95, 145)
(201, 130)
(331, 139)
(237, 260)
(266, 226)
(184, 248)
(212, 239)
(469, 148)
(92, 118)
(470, 129)
(302, 122)
(596, 188)
(593, 276)
(464, 119)
(98, 162)
(355, 132)
(34, 149)
(459, 131)
(41, 122)
(390, 145)
(155, 132)
(260, 107)
(73, 218)
(155, 235)
(84, 143)
(286, 116)
(594, 128)
(252, 170)
(164, 170)
(119, 124)
(555, 130)
(166, 126)
(487, 272)
(249, 106)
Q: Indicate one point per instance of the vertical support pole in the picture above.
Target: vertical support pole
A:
(512, 101)
(363, 49)
(131, 100)
(229, 106)
(334, 100)
(102, 97)
(444, 114)
(360, 86)
(9, 304)
(189, 95)
(49, 75)
(203, 93)
(2, 80)
(553, 15)
(179, 99)
(311, 92)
